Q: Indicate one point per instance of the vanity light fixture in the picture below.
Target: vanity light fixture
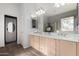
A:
(38, 13)
(59, 4)
(33, 15)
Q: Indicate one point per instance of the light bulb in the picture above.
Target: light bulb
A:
(59, 4)
(62, 4)
(40, 12)
(33, 15)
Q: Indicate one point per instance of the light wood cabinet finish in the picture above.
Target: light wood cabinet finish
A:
(36, 42)
(52, 47)
(45, 45)
(57, 47)
(31, 40)
(77, 49)
(67, 48)
(42, 44)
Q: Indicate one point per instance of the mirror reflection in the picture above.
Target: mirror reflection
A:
(62, 18)
(67, 24)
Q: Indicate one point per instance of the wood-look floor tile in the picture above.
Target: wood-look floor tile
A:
(12, 49)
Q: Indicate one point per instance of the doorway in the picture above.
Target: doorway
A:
(10, 29)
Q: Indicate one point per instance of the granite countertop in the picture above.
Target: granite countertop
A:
(58, 36)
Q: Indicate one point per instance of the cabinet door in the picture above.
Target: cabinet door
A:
(57, 47)
(42, 44)
(36, 42)
(31, 40)
(67, 48)
(46, 45)
(77, 49)
(51, 47)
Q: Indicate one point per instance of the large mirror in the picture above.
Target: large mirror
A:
(63, 18)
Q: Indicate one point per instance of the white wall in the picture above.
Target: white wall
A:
(7, 9)
(23, 13)
(27, 11)
(25, 24)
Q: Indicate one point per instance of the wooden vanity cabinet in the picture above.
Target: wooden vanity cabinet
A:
(31, 40)
(77, 49)
(54, 47)
(42, 43)
(34, 42)
(57, 47)
(47, 46)
(67, 48)
(51, 47)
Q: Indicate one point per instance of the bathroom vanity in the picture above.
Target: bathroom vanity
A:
(63, 39)
(52, 45)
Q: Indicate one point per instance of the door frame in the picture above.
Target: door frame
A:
(5, 27)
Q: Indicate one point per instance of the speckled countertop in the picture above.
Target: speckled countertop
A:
(58, 36)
